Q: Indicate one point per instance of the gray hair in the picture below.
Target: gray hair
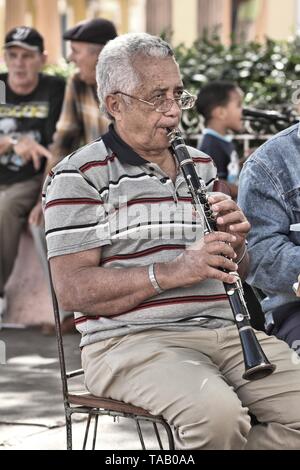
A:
(115, 68)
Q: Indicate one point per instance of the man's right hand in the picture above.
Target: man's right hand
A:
(29, 150)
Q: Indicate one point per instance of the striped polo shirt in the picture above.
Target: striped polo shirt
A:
(106, 195)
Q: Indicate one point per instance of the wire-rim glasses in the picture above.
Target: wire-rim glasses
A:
(163, 105)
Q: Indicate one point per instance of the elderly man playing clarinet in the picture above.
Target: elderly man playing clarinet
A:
(128, 254)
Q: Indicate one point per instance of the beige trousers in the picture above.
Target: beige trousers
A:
(194, 379)
(16, 201)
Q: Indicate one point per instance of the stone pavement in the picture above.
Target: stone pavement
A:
(31, 406)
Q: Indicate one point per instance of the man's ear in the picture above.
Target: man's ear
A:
(114, 106)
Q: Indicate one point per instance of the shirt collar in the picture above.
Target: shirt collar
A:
(123, 151)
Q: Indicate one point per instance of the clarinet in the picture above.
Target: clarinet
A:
(257, 365)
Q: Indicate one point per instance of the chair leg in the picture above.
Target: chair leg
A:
(86, 431)
(169, 434)
(69, 430)
(158, 436)
(95, 431)
(140, 434)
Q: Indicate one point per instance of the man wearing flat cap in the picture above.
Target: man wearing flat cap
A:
(80, 121)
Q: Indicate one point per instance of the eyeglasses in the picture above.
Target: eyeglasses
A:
(163, 105)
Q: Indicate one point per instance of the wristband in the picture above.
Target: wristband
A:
(153, 280)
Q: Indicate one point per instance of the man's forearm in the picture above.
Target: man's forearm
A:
(106, 291)
(112, 291)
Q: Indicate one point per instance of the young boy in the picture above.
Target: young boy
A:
(220, 103)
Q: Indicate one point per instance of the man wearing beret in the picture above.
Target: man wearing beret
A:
(80, 121)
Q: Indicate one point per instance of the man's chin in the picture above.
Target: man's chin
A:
(20, 81)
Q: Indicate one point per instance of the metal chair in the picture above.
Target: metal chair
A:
(84, 402)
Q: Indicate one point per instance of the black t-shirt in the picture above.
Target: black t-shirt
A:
(34, 115)
(221, 151)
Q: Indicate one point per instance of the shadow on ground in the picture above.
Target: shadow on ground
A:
(31, 404)
(30, 387)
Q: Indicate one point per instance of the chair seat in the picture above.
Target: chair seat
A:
(86, 399)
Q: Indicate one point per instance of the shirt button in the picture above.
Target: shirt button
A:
(164, 180)
(151, 168)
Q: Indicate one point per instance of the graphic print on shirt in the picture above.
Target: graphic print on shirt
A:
(17, 121)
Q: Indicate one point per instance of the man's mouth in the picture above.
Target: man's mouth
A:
(168, 129)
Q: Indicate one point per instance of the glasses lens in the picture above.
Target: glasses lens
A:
(187, 101)
(163, 105)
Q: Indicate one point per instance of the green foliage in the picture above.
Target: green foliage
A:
(267, 73)
(62, 69)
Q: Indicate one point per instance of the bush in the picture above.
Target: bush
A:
(267, 73)
(62, 69)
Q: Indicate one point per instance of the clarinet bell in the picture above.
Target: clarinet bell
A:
(257, 366)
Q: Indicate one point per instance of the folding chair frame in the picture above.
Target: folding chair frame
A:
(93, 406)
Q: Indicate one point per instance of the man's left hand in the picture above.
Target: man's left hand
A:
(230, 218)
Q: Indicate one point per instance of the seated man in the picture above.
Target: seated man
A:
(27, 123)
(80, 121)
(145, 285)
(269, 195)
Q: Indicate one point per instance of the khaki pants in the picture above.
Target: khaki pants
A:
(16, 201)
(194, 379)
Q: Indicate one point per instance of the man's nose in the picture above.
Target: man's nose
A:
(19, 61)
(175, 109)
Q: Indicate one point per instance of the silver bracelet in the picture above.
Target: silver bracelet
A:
(243, 254)
(153, 280)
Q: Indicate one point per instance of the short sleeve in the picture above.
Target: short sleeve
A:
(75, 215)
